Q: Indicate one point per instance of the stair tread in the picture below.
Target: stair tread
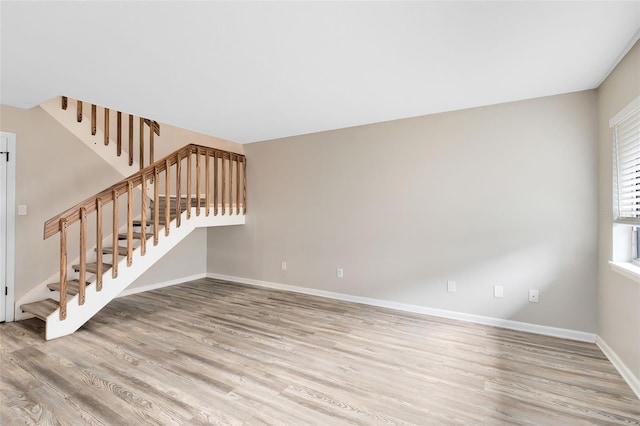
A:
(122, 251)
(93, 267)
(73, 287)
(172, 201)
(41, 309)
(150, 221)
(136, 235)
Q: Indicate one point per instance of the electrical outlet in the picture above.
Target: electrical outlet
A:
(534, 296)
(340, 273)
(451, 286)
(498, 291)
(283, 265)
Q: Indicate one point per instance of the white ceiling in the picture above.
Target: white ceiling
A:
(250, 71)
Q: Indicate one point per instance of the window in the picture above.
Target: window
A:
(626, 137)
(626, 144)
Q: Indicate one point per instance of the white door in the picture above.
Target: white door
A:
(3, 227)
(7, 223)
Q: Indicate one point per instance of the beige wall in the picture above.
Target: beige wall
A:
(496, 195)
(172, 138)
(54, 171)
(618, 297)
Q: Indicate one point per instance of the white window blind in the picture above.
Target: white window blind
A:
(626, 136)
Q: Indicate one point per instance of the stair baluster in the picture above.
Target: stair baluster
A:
(83, 255)
(93, 119)
(63, 268)
(156, 206)
(189, 186)
(99, 253)
(215, 184)
(141, 137)
(151, 144)
(167, 211)
(119, 135)
(116, 230)
(207, 178)
(244, 185)
(224, 177)
(130, 140)
(129, 223)
(178, 191)
(143, 216)
(106, 126)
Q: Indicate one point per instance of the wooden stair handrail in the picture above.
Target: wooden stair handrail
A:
(72, 214)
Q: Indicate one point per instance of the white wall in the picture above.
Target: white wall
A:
(503, 195)
(618, 297)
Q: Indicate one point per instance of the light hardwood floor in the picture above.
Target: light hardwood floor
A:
(210, 352)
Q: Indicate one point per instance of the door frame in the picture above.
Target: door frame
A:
(10, 139)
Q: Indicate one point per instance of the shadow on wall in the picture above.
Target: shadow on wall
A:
(514, 272)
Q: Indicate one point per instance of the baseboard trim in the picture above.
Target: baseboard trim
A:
(627, 375)
(478, 319)
(155, 286)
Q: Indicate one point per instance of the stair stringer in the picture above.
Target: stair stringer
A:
(77, 314)
(82, 131)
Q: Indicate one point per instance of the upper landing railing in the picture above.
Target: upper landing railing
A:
(133, 128)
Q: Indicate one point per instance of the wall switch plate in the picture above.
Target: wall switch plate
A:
(534, 296)
(340, 273)
(498, 291)
(283, 265)
(451, 286)
(22, 210)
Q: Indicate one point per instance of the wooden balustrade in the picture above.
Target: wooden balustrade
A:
(143, 123)
(176, 166)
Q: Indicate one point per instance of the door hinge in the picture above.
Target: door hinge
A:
(6, 291)
(5, 153)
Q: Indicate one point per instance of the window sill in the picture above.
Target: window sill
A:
(627, 269)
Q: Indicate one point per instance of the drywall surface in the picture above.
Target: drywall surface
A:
(500, 195)
(187, 259)
(618, 296)
(54, 171)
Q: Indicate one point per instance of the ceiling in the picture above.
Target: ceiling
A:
(252, 71)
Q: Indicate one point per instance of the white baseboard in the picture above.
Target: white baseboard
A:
(478, 319)
(625, 372)
(154, 286)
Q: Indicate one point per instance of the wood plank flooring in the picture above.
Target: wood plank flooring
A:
(210, 352)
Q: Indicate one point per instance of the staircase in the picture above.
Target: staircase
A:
(134, 223)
